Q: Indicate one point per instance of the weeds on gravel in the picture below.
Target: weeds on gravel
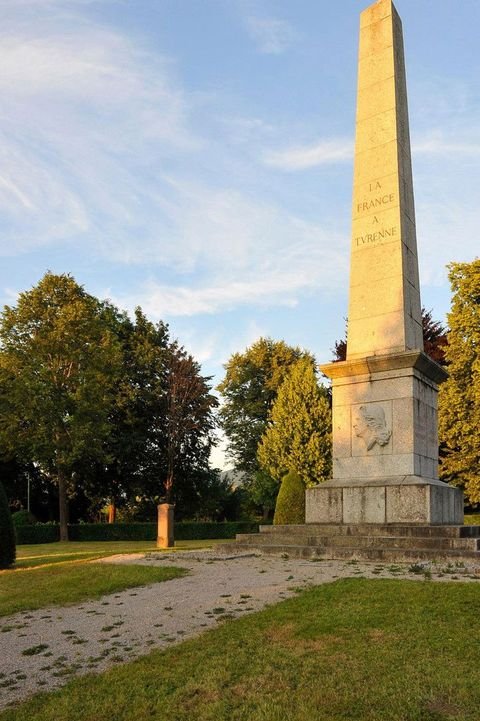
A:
(35, 650)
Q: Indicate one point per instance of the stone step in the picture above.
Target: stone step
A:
(390, 541)
(327, 529)
(390, 555)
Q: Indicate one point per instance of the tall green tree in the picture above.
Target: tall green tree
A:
(135, 451)
(162, 418)
(459, 402)
(59, 362)
(298, 435)
(249, 389)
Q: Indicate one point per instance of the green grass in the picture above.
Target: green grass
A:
(472, 519)
(357, 649)
(55, 574)
(50, 553)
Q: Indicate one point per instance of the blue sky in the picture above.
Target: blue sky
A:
(194, 157)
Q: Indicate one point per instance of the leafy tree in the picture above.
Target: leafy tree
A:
(249, 389)
(434, 340)
(58, 365)
(135, 452)
(460, 395)
(189, 420)
(298, 435)
(262, 490)
(208, 495)
(7, 533)
(290, 506)
(163, 419)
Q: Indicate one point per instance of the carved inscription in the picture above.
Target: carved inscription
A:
(375, 203)
(379, 200)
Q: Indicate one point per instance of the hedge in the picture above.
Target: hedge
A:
(184, 531)
(38, 533)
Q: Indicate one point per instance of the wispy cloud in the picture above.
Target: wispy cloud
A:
(437, 144)
(276, 277)
(271, 35)
(87, 117)
(301, 157)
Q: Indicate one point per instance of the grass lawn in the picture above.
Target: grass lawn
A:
(356, 650)
(48, 553)
(472, 519)
(55, 574)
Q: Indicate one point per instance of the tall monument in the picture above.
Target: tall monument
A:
(385, 442)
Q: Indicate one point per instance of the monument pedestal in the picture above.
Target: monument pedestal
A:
(407, 500)
(385, 445)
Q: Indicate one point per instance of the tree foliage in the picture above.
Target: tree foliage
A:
(250, 386)
(460, 394)
(162, 419)
(298, 435)
(262, 490)
(189, 421)
(435, 337)
(7, 533)
(58, 364)
(107, 407)
(290, 507)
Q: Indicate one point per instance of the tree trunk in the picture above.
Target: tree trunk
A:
(169, 487)
(63, 504)
(112, 511)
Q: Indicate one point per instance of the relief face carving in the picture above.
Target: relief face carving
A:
(370, 425)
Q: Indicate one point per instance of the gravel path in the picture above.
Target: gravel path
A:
(41, 650)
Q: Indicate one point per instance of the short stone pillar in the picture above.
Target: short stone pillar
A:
(165, 526)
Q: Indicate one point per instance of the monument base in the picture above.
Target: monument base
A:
(409, 499)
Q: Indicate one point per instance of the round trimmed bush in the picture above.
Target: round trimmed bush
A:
(290, 506)
(7, 533)
(23, 518)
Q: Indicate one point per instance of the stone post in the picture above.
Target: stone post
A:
(165, 526)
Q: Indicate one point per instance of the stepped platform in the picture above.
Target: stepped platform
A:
(363, 542)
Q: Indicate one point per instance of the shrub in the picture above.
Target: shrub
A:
(23, 518)
(183, 531)
(290, 506)
(38, 533)
(7, 533)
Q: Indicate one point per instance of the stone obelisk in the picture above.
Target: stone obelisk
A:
(385, 441)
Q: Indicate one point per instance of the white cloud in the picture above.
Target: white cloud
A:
(87, 118)
(437, 144)
(275, 276)
(272, 36)
(324, 152)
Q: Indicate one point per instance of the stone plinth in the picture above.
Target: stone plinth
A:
(410, 500)
(385, 445)
(385, 416)
(165, 526)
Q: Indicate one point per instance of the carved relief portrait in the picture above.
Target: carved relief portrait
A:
(370, 425)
